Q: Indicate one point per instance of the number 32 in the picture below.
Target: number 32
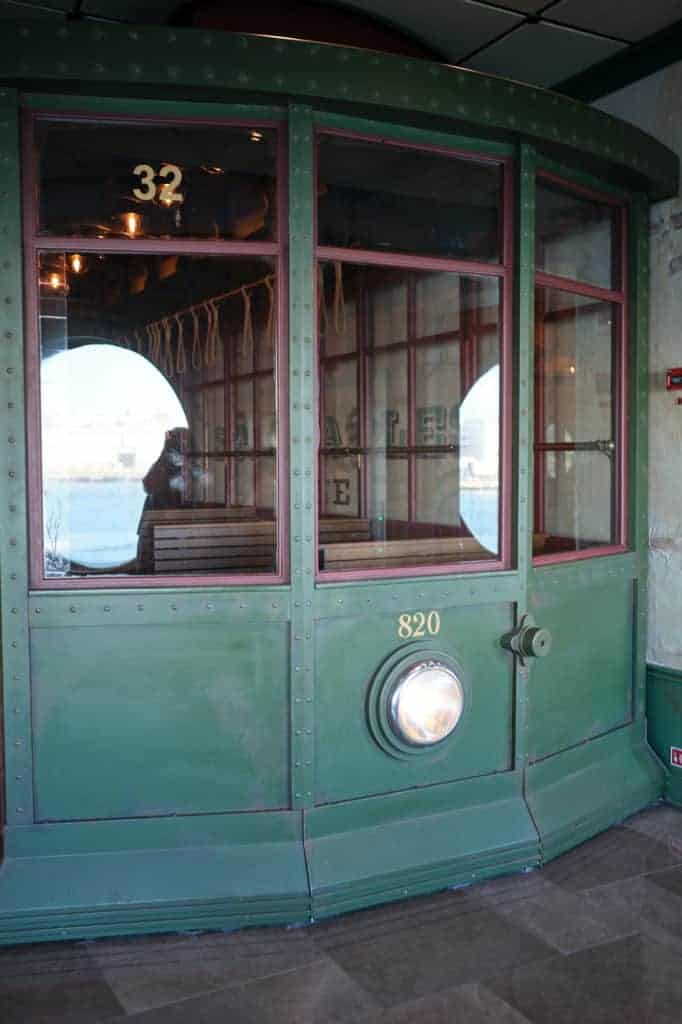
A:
(167, 191)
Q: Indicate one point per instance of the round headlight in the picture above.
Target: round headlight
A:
(426, 704)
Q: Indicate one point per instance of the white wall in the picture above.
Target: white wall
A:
(655, 105)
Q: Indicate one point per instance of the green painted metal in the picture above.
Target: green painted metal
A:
(349, 653)
(411, 134)
(584, 688)
(523, 463)
(16, 702)
(127, 106)
(177, 59)
(301, 451)
(588, 788)
(593, 681)
(159, 720)
(386, 848)
(219, 734)
(193, 606)
(638, 357)
(664, 723)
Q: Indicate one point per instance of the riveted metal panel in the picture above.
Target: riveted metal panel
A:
(523, 475)
(584, 687)
(349, 653)
(141, 721)
(638, 359)
(204, 61)
(302, 448)
(160, 607)
(13, 553)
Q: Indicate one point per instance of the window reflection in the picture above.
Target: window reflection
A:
(139, 180)
(576, 432)
(158, 410)
(400, 199)
(409, 407)
(577, 237)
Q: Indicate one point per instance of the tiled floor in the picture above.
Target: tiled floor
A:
(593, 938)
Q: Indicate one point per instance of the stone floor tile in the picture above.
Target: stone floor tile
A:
(670, 880)
(660, 822)
(374, 922)
(54, 987)
(561, 918)
(411, 962)
(638, 904)
(146, 973)
(609, 857)
(467, 1004)
(319, 993)
(632, 981)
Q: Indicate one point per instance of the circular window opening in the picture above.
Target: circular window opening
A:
(106, 415)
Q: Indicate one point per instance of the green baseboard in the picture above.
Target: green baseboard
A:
(582, 791)
(375, 850)
(664, 723)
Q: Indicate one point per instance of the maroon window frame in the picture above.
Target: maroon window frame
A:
(619, 298)
(503, 271)
(35, 244)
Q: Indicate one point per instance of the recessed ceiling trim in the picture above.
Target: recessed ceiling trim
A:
(639, 60)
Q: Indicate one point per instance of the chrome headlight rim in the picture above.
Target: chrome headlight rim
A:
(392, 673)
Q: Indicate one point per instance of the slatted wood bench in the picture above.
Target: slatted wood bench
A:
(169, 516)
(245, 546)
(239, 545)
(390, 554)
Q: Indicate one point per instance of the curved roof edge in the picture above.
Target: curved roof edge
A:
(212, 61)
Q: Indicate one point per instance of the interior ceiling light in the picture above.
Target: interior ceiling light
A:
(426, 704)
(256, 136)
(76, 261)
(132, 223)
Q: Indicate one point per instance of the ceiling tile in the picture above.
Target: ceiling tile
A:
(28, 10)
(522, 6)
(631, 21)
(454, 29)
(543, 54)
(142, 12)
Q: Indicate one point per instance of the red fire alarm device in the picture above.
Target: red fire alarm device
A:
(676, 757)
(673, 379)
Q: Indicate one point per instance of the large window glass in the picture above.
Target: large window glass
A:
(410, 417)
(577, 237)
(410, 357)
(578, 487)
(399, 199)
(158, 369)
(123, 180)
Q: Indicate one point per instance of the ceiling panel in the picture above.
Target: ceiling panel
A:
(143, 12)
(523, 6)
(631, 21)
(543, 54)
(453, 28)
(28, 10)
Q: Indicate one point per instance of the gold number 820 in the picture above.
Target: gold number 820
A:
(414, 625)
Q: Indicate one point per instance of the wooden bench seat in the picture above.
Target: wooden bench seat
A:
(213, 547)
(389, 554)
(233, 545)
(167, 516)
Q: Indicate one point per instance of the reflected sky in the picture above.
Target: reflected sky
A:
(105, 413)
